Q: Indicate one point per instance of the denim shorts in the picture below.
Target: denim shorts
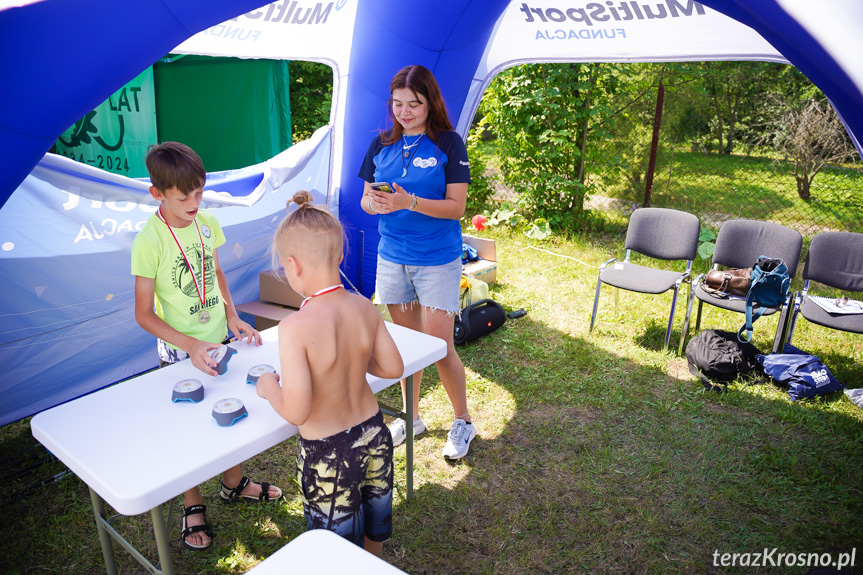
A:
(434, 287)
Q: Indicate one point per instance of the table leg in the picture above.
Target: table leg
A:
(104, 536)
(160, 530)
(409, 431)
(107, 533)
(408, 416)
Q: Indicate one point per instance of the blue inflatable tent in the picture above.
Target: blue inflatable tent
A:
(66, 311)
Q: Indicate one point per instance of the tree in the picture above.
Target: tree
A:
(812, 136)
(687, 113)
(545, 118)
(736, 91)
(623, 153)
(311, 97)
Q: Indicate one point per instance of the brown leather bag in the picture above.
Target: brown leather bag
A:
(734, 281)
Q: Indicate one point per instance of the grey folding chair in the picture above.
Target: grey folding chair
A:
(835, 259)
(739, 244)
(658, 233)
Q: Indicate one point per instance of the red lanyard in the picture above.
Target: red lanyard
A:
(202, 293)
(321, 292)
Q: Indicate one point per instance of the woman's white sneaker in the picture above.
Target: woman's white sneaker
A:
(458, 439)
(399, 432)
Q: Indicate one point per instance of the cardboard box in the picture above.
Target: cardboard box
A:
(276, 289)
(266, 314)
(486, 268)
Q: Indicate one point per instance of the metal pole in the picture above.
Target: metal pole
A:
(160, 530)
(409, 429)
(104, 536)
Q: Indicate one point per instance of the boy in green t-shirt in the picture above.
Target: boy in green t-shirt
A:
(182, 298)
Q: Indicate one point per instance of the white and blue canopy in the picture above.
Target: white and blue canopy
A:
(67, 325)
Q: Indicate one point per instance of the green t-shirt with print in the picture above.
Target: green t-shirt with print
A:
(155, 254)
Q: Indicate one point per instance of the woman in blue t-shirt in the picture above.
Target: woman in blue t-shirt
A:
(419, 256)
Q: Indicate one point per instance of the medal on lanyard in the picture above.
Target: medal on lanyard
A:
(321, 292)
(204, 316)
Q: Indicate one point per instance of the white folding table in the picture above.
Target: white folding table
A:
(130, 444)
(321, 551)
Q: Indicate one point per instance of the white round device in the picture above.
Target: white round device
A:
(227, 411)
(218, 353)
(222, 355)
(257, 371)
(188, 390)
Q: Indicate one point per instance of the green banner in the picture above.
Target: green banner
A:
(115, 136)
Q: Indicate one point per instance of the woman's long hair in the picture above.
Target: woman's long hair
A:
(420, 81)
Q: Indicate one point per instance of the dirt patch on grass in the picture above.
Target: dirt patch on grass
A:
(679, 369)
(581, 415)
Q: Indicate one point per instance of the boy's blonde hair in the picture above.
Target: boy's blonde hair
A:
(310, 233)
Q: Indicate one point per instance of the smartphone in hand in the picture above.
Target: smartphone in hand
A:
(381, 187)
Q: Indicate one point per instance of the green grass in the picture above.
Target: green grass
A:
(719, 187)
(596, 453)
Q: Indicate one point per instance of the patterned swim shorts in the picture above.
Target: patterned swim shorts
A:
(347, 482)
(169, 355)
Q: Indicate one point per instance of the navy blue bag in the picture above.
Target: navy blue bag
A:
(805, 375)
(468, 253)
(768, 288)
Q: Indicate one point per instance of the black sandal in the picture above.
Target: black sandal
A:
(194, 510)
(228, 494)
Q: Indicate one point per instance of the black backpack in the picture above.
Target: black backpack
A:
(717, 357)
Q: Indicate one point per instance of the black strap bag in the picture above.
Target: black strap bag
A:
(717, 357)
(478, 319)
